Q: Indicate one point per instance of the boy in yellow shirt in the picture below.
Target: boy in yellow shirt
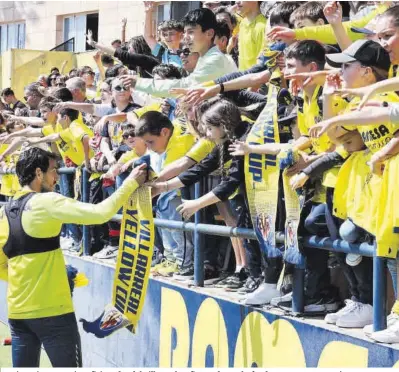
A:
(169, 142)
(72, 139)
(251, 34)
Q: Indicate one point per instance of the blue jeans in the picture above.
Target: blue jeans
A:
(350, 232)
(178, 245)
(360, 276)
(315, 222)
(393, 271)
(66, 188)
(58, 334)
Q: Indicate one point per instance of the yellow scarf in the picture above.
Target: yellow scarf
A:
(132, 270)
(262, 176)
(134, 256)
(293, 208)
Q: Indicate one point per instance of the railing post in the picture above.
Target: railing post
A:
(379, 293)
(298, 291)
(198, 241)
(85, 199)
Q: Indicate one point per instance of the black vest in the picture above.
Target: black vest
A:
(19, 242)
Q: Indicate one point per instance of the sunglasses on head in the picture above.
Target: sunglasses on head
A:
(185, 52)
(120, 88)
(128, 134)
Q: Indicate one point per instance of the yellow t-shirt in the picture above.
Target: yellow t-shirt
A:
(250, 41)
(141, 111)
(200, 149)
(375, 136)
(37, 282)
(70, 144)
(357, 192)
(127, 156)
(311, 113)
(179, 144)
(7, 180)
(330, 177)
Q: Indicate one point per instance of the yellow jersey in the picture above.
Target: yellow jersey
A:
(37, 281)
(70, 143)
(250, 41)
(375, 136)
(201, 149)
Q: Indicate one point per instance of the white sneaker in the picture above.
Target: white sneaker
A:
(391, 319)
(389, 335)
(359, 316)
(333, 317)
(107, 252)
(286, 298)
(263, 295)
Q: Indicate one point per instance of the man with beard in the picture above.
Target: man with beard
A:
(40, 308)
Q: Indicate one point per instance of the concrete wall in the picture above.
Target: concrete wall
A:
(44, 19)
(182, 327)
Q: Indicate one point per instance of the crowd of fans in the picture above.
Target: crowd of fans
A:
(188, 94)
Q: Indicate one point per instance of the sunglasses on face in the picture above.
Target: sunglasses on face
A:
(185, 52)
(90, 73)
(126, 135)
(120, 88)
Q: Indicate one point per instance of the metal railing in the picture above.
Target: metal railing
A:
(200, 230)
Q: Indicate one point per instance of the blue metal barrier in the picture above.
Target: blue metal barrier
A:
(199, 229)
(85, 199)
(199, 240)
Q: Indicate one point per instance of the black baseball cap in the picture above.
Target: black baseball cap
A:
(367, 52)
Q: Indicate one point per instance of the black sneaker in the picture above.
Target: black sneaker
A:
(234, 283)
(250, 285)
(225, 281)
(312, 306)
(211, 275)
(332, 304)
(184, 274)
(237, 281)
